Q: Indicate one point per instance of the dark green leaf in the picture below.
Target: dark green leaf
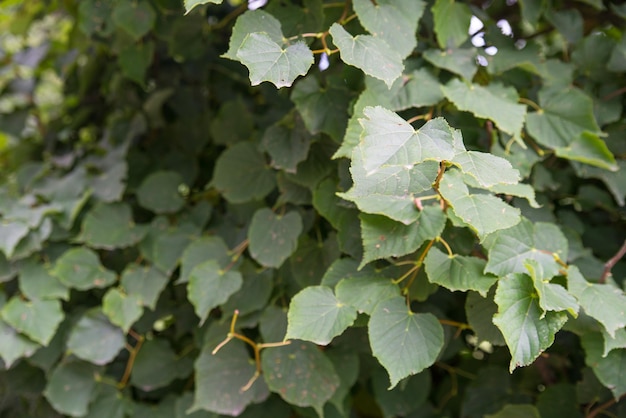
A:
(480, 311)
(190, 4)
(11, 233)
(71, 386)
(95, 339)
(457, 272)
(200, 250)
(609, 369)
(273, 238)
(110, 226)
(136, 17)
(287, 142)
(80, 268)
(122, 309)
(516, 411)
(159, 192)
(404, 342)
(147, 377)
(14, 345)
(364, 293)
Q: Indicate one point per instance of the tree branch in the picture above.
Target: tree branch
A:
(612, 261)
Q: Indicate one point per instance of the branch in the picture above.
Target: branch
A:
(604, 406)
(612, 261)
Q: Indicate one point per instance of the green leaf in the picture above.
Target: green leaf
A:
(395, 22)
(147, 377)
(135, 60)
(209, 286)
(603, 302)
(486, 169)
(110, 226)
(480, 311)
(37, 283)
(516, 411)
(242, 175)
(273, 238)
(371, 54)
(588, 148)
(457, 272)
(143, 283)
(323, 109)
(610, 369)
(11, 233)
(159, 192)
(383, 237)
(80, 268)
(267, 60)
(71, 386)
(405, 398)
(482, 212)
(510, 248)
(94, 339)
(201, 250)
(301, 374)
(13, 345)
(494, 102)
(287, 142)
(459, 61)
(552, 297)
(136, 17)
(37, 319)
(221, 377)
(452, 22)
(252, 21)
(122, 310)
(404, 342)
(611, 343)
(190, 4)
(256, 290)
(364, 293)
(317, 315)
(233, 123)
(527, 329)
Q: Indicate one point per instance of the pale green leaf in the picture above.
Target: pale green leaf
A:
(80, 268)
(250, 22)
(159, 192)
(364, 293)
(384, 237)
(371, 54)
(190, 4)
(209, 286)
(242, 175)
(510, 248)
(110, 226)
(494, 102)
(317, 315)
(14, 345)
(145, 283)
(610, 369)
(527, 330)
(273, 238)
(122, 310)
(459, 61)
(70, 387)
(482, 212)
(603, 302)
(201, 250)
(36, 282)
(552, 297)
(404, 342)
(487, 169)
(393, 21)
(11, 233)
(37, 319)
(457, 272)
(452, 22)
(267, 60)
(301, 374)
(94, 339)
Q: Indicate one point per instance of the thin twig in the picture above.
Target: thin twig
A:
(604, 406)
(612, 261)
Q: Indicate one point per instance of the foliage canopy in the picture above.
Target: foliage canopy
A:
(313, 208)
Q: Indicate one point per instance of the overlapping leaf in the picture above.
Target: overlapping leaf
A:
(610, 369)
(317, 315)
(452, 22)
(159, 192)
(552, 297)
(94, 339)
(273, 238)
(404, 342)
(209, 286)
(364, 293)
(71, 386)
(37, 319)
(190, 4)
(110, 226)
(121, 309)
(80, 268)
(251, 22)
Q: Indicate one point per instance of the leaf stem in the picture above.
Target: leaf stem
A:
(445, 244)
(604, 406)
(132, 354)
(459, 325)
(612, 261)
(530, 103)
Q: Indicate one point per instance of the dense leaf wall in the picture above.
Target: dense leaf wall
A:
(314, 208)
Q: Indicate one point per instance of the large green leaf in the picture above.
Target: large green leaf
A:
(604, 302)
(486, 169)
(371, 54)
(201, 250)
(273, 238)
(80, 268)
(484, 213)
(71, 386)
(393, 21)
(157, 351)
(452, 22)
(253, 21)
(552, 296)
(301, 374)
(37, 319)
(457, 272)
(317, 315)
(404, 342)
(36, 282)
(159, 192)
(144, 284)
(510, 248)
(527, 329)
(94, 339)
(480, 311)
(209, 286)
(494, 102)
(364, 293)
(384, 237)
(220, 378)
(610, 369)
(270, 61)
(122, 309)
(241, 174)
(110, 226)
